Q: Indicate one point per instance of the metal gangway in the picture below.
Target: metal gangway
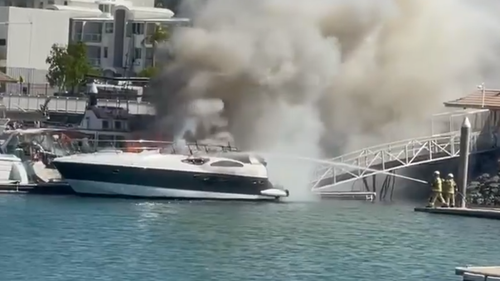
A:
(75, 105)
(387, 158)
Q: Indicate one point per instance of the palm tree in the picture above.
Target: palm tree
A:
(160, 34)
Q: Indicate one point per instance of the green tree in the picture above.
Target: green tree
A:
(68, 66)
(57, 67)
(160, 34)
(148, 72)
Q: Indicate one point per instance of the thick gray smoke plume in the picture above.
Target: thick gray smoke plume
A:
(322, 77)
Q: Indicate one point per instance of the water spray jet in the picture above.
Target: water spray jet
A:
(333, 163)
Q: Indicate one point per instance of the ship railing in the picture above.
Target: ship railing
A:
(188, 148)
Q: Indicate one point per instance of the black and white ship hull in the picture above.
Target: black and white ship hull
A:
(154, 175)
(85, 187)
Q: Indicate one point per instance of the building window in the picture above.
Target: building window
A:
(118, 125)
(105, 52)
(40, 5)
(129, 29)
(108, 27)
(104, 8)
(137, 53)
(105, 124)
(150, 53)
(3, 42)
(65, 3)
(50, 2)
(105, 141)
(137, 28)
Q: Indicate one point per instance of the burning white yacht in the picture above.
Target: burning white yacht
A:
(152, 174)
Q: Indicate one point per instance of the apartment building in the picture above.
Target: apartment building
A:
(116, 35)
(113, 30)
(26, 38)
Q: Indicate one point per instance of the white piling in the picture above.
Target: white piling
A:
(463, 168)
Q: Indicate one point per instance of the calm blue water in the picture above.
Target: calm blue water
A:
(65, 238)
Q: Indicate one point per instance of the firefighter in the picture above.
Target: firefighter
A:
(437, 189)
(449, 187)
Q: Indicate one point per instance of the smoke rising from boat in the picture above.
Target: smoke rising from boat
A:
(319, 78)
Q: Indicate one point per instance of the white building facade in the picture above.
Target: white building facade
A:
(113, 30)
(26, 38)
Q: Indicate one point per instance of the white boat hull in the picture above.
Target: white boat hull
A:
(156, 175)
(13, 170)
(86, 187)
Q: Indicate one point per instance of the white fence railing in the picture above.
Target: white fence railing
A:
(70, 104)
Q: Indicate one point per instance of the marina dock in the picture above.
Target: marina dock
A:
(56, 188)
(347, 195)
(476, 273)
(486, 213)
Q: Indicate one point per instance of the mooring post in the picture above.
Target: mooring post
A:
(463, 168)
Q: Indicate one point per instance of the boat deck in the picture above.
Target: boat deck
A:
(45, 174)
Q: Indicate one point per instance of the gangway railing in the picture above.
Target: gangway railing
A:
(447, 122)
(388, 157)
(70, 104)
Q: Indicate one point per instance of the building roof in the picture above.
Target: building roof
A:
(99, 19)
(147, 12)
(169, 20)
(77, 11)
(150, 14)
(489, 99)
(4, 78)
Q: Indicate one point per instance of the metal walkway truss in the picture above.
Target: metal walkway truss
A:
(386, 158)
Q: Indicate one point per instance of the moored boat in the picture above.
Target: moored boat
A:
(163, 174)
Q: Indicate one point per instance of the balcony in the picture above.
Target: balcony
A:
(89, 37)
(95, 62)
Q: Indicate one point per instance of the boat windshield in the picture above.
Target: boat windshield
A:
(3, 138)
(54, 142)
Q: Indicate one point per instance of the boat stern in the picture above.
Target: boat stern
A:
(271, 190)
